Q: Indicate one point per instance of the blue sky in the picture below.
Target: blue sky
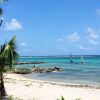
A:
(52, 27)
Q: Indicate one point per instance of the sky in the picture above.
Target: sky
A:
(52, 27)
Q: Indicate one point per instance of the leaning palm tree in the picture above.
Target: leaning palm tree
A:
(8, 56)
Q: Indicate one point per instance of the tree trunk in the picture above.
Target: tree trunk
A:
(2, 88)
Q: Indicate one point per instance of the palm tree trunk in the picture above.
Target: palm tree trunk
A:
(2, 88)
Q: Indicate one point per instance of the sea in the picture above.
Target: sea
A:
(76, 72)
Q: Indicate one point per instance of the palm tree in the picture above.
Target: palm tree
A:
(8, 56)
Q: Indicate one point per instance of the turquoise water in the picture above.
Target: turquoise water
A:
(86, 73)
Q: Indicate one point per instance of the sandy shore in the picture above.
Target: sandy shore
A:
(29, 89)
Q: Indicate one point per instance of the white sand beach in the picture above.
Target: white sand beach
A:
(30, 89)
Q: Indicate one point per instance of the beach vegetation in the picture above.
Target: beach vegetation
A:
(78, 99)
(62, 98)
(12, 98)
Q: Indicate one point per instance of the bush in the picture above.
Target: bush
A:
(12, 98)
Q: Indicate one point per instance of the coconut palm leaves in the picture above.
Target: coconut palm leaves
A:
(9, 52)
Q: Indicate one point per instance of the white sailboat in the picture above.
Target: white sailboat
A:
(82, 60)
(71, 59)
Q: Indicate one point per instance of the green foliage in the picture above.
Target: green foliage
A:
(78, 99)
(8, 52)
(12, 98)
(62, 98)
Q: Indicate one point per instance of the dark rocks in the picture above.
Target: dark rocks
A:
(36, 70)
(46, 70)
(22, 71)
(22, 63)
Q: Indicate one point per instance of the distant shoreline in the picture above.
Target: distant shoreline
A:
(64, 56)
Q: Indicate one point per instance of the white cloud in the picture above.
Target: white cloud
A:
(24, 51)
(62, 49)
(23, 44)
(70, 38)
(73, 37)
(92, 33)
(84, 48)
(93, 42)
(13, 25)
(61, 40)
(98, 11)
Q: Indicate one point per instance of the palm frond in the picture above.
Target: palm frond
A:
(12, 43)
(1, 11)
(9, 52)
(2, 47)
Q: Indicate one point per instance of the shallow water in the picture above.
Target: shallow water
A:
(86, 73)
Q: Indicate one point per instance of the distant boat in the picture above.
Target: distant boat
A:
(82, 60)
(71, 59)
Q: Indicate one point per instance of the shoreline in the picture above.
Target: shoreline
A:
(65, 84)
(78, 83)
(27, 89)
